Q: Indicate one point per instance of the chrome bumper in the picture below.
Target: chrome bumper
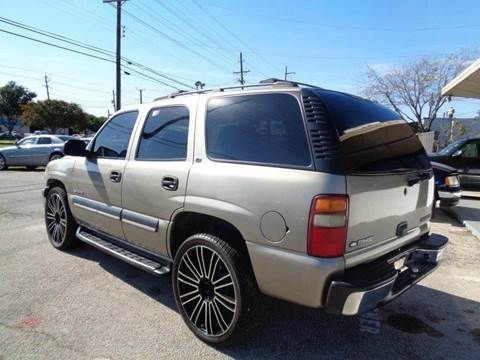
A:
(368, 286)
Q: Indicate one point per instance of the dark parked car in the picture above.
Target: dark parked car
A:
(447, 185)
(464, 155)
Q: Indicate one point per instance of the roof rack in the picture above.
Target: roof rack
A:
(263, 83)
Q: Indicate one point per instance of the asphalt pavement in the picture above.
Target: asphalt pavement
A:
(468, 212)
(83, 304)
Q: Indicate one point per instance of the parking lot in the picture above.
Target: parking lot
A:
(84, 304)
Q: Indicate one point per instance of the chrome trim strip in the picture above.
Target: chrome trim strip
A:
(97, 207)
(142, 221)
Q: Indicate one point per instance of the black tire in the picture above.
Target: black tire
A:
(59, 222)
(207, 311)
(55, 156)
(3, 163)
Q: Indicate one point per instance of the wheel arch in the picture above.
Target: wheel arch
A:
(188, 223)
(55, 152)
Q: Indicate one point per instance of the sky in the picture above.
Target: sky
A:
(327, 43)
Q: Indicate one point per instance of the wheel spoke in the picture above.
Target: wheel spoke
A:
(222, 302)
(221, 279)
(191, 299)
(187, 282)
(188, 277)
(221, 322)
(202, 258)
(195, 310)
(199, 261)
(199, 312)
(191, 268)
(189, 293)
(187, 259)
(210, 265)
(224, 285)
(214, 269)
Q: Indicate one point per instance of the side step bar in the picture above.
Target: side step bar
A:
(121, 253)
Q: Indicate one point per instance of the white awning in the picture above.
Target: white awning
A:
(467, 84)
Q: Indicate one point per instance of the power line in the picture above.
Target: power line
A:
(287, 73)
(85, 46)
(345, 27)
(175, 41)
(231, 32)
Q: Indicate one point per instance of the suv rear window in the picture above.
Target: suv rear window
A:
(263, 129)
(372, 137)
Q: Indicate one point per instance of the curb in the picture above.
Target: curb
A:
(464, 223)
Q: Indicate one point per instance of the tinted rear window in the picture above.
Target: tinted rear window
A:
(263, 129)
(372, 137)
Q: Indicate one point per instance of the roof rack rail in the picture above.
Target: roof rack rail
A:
(263, 83)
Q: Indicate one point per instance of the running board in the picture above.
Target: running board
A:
(139, 261)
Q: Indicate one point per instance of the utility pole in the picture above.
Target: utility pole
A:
(141, 95)
(241, 72)
(118, 70)
(287, 73)
(113, 101)
(46, 86)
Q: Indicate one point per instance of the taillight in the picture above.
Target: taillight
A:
(327, 229)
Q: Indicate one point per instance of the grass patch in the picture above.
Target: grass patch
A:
(4, 143)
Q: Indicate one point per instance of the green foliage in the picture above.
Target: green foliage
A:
(54, 114)
(12, 98)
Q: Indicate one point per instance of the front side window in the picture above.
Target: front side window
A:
(44, 141)
(113, 139)
(165, 134)
(265, 129)
(471, 150)
(27, 141)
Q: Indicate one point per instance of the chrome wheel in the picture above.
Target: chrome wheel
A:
(206, 290)
(56, 218)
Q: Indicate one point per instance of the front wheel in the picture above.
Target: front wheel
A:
(60, 224)
(211, 289)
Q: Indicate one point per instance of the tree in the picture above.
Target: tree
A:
(92, 124)
(12, 98)
(414, 89)
(54, 114)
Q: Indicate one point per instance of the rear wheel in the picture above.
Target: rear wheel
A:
(3, 163)
(61, 225)
(211, 289)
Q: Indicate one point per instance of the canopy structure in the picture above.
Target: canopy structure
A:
(466, 84)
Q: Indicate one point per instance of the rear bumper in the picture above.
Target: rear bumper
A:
(368, 286)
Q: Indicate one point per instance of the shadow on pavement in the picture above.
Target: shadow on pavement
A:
(422, 323)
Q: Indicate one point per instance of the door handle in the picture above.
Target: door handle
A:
(116, 176)
(170, 183)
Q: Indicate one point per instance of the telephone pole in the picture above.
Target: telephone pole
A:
(113, 101)
(141, 95)
(118, 69)
(287, 73)
(241, 72)
(46, 86)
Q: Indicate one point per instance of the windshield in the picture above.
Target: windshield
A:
(450, 148)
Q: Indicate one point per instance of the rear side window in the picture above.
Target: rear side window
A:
(44, 141)
(165, 134)
(264, 129)
(112, 141)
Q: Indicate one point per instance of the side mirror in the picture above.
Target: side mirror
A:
(457, 153)
(75, 147)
